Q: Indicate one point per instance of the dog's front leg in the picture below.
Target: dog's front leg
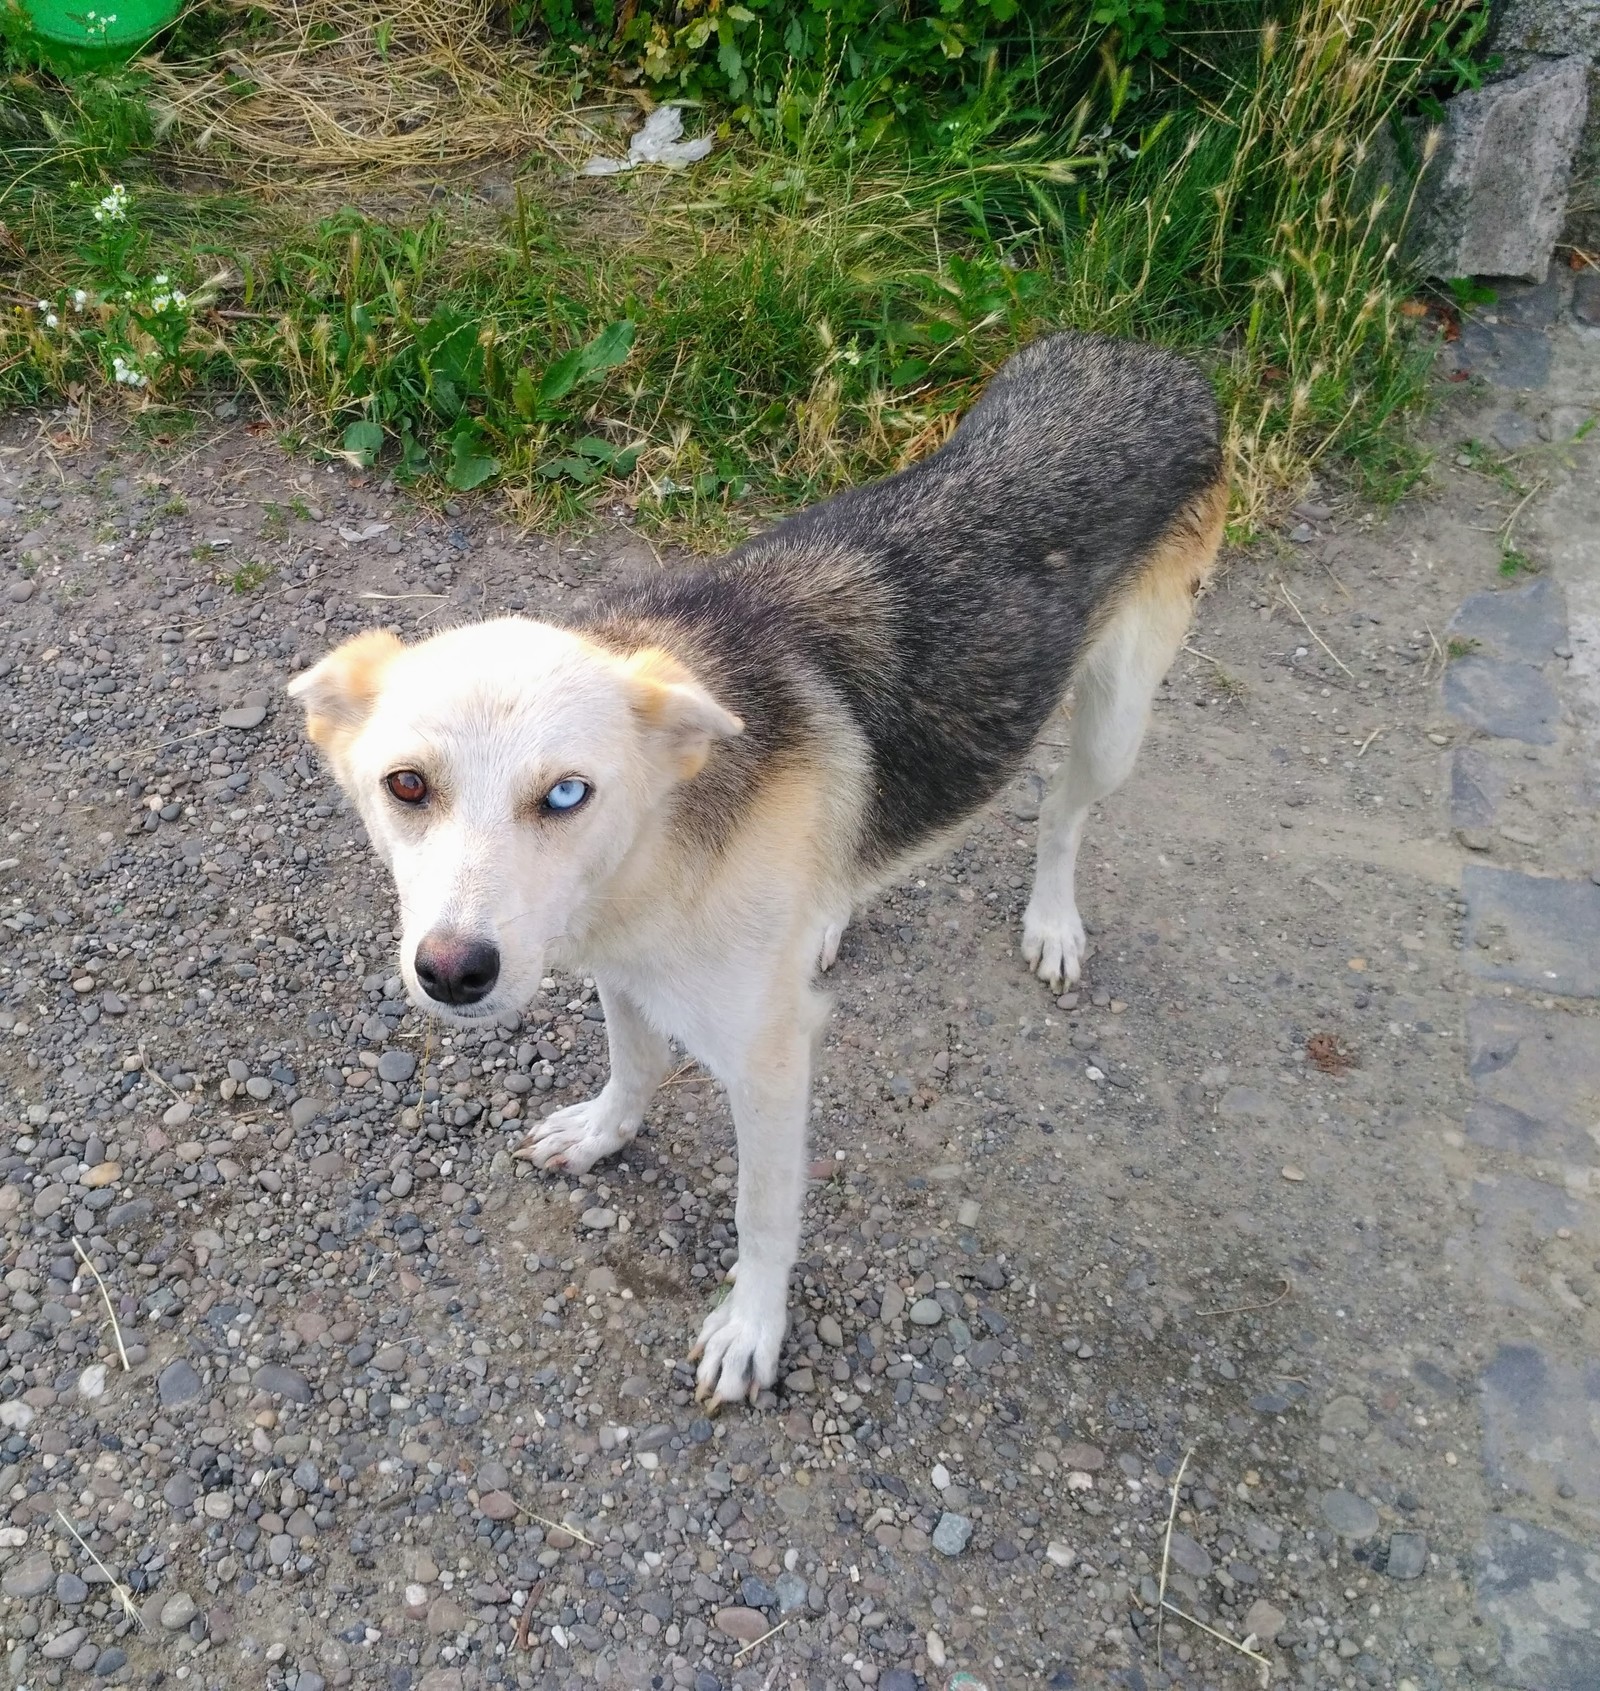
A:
(739, 1343)
(576, 1138)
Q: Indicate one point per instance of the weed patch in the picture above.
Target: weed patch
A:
(816, 304)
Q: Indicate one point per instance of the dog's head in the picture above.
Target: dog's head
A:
(506, 772)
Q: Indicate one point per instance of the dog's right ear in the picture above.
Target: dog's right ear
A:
(674, 706)
(338, 692)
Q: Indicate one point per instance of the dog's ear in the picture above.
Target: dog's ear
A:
(672, 704)
(338, 692)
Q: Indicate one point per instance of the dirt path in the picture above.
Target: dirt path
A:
(1298, 1195)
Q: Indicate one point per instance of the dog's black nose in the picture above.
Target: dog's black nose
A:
(456, 970)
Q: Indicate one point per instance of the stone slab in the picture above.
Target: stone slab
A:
(1549, 27)
(1522, 624)
(1516, 1221)
(1494, 200)
(1511, 701)
(1478, 783)
(1541, 1592)
(1541, 1426)
(1537, 1075)
(1505, 355)
(1542, 932)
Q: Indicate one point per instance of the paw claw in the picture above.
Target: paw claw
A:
(573, 1140)
(831, 938)
(739, 1343)
(1054, 945)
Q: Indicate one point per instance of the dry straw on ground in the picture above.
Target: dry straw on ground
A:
(331, 88)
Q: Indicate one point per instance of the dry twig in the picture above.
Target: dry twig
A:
(124, 1595)
(1313, 633)
(756, 1643)
(159, 1079)
(1166, 1552)
(557, 1526)
(1264, 1667)
(83, 1257)
(1243, 1308)
(1195, 652)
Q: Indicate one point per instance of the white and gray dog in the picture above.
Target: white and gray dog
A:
(685, 793)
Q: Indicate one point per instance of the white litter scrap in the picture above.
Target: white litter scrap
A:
(658, 142)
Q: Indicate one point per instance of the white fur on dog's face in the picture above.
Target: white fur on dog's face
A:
(492, 716)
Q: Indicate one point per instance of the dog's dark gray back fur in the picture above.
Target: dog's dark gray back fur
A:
(948, 604)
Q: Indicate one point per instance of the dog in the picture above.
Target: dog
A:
(687, 790)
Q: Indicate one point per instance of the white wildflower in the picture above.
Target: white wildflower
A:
(114, 207)
(79, 299)
(51, 321)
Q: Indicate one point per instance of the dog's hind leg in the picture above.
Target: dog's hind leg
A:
(1115, 683)
(576, 1138)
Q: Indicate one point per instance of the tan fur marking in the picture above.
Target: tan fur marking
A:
(1184, 557)
(1178, 565)
(339, 691)
(665, 696)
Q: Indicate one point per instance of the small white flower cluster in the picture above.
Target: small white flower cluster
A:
(97, 23)
(51, 321)
(129, 375)
(169, 296)
(114, 207)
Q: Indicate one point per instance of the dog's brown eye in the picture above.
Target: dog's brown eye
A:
(407, 786)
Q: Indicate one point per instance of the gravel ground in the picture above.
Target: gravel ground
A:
(384, 1408)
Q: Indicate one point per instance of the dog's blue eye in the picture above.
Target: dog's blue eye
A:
(567, 795)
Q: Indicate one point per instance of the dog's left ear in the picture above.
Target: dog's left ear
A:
(338, 693)
(671, 703)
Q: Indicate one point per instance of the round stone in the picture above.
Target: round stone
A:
(178, 1384)
(925, 1312)
(1189, 1556)
(497, 1506)
(1349, 1516)
(31, 1576)
(178, 1611)
(952, 1534)
(747, 1625)
(1345, 1415)
(396, 1066)
(64, 1644)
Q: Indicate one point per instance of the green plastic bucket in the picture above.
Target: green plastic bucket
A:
(73, 35)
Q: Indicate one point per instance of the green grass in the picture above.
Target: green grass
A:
(1514, 563)
(249, 576)
(792, 316)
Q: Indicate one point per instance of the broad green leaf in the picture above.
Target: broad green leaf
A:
(365, 440)
(470, 464)
(607, 350)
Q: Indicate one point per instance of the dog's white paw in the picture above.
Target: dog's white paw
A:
(576, 1138)
(831, 936)
(1054, 943)
(739, 1343)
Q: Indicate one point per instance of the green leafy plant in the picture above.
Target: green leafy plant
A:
(1469, 291)
(1514, 563)
(249, 576)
